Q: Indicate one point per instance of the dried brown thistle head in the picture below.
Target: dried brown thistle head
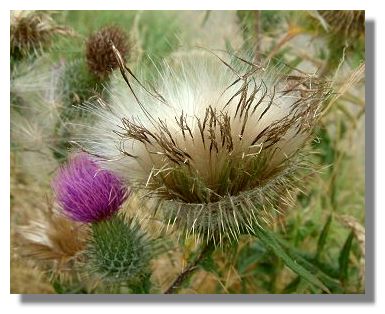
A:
(51, 241)
(31, 31)
(99, 54)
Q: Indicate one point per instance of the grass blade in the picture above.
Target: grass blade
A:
(344, 257)
(323, 236)
(270, 241)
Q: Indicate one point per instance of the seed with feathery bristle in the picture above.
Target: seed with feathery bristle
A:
(218, 143)
(99, 55)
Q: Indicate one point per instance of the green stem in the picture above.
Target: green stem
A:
(190, 269)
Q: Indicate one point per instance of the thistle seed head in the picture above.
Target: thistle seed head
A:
(99, 54)
(217, 141)
(86, 192)
(31, 31)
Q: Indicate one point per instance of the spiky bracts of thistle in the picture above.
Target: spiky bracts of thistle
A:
(99, 54)
(218, 141)
(31, 31)
(87, 193)
(119, 251)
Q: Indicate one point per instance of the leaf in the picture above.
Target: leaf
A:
(250, 255)
(324, 272)
(330, 282)
(323, 236)
(208, 264)
(57, 286)
(292, 286)
(62, 288)
(344, 257)
(269, 240)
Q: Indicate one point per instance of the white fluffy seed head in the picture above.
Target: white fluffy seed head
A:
(36, 105)
(216, 140)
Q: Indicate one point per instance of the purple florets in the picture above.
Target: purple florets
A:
(86, 192)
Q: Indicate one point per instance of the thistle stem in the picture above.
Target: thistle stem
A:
(190, 269)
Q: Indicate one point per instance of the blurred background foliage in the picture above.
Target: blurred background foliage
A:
(324, 232)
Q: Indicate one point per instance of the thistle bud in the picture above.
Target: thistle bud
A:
(119, 251)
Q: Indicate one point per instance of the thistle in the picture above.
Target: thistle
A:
(87, 193)
(99, 55)
(51, 240)
(31, 31)
(119, 252)
(217, 142)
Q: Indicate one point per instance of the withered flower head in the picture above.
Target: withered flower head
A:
(31, 31)
(347, 23)
(218, 141)
(52, 241)
(99, 54)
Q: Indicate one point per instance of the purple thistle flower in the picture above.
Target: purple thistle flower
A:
(86, 192)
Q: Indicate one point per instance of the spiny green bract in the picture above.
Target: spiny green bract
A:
(119, 251)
